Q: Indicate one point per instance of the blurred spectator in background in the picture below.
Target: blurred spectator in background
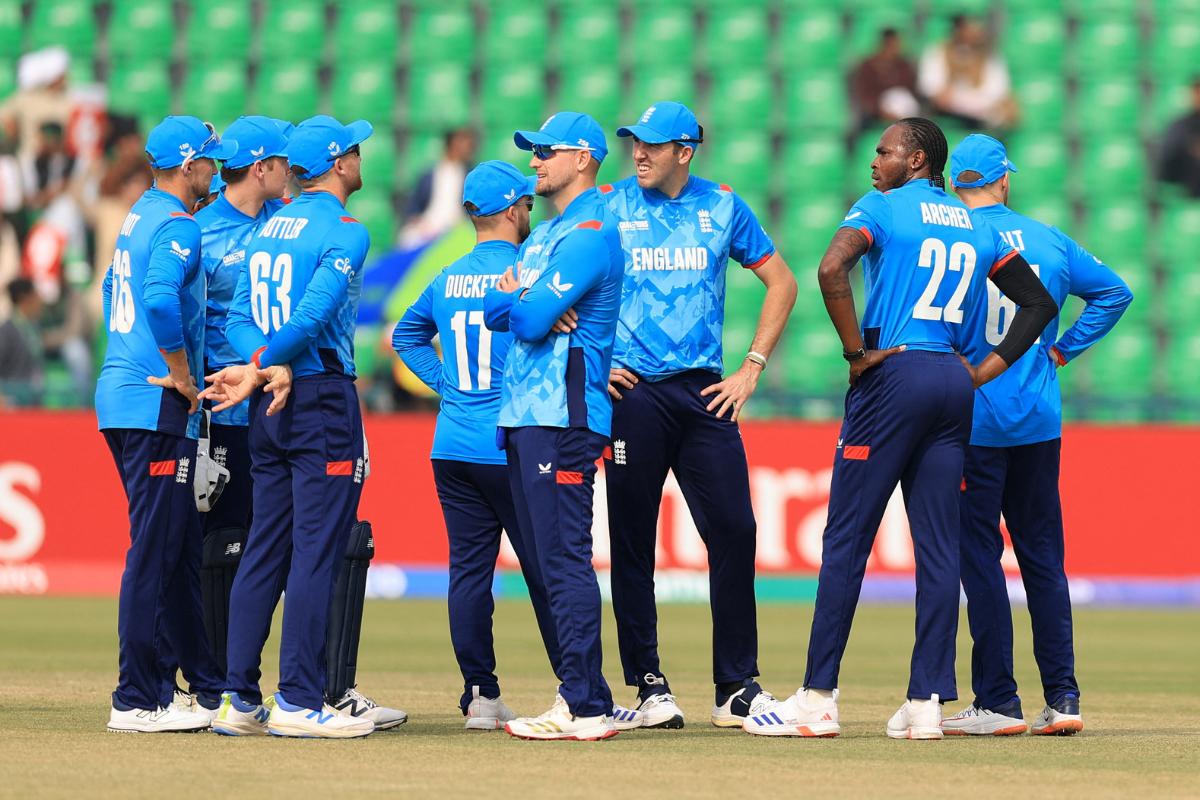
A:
(1179, 158)
(21, 350)
(435, 205)
(51, 167)
(883, 87)
(965, 79)
(41, 98)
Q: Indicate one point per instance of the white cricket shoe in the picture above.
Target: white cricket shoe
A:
(158, 720)
(917, 719)
(236, 717)
(183, 701)
(315, 723)
(356, 704)
(976, 721)
(626, 719)
(486, 714)
(661, 711)
(1061, 719)
(559, 723)
(806, 713)
(751, 699)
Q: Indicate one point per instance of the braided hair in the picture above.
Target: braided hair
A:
(925, 135)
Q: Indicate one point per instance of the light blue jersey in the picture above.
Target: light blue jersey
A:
(469, 375)
(926, 267)
(676, 250)
(297, 295)
(153, 301)
(551, 379)
(1023, 405)
(224, 234)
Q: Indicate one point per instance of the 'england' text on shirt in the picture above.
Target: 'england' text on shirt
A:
(668, 258)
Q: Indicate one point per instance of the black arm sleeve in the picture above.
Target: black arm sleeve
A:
(1035, 307)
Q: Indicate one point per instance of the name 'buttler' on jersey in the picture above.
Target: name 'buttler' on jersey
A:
(153, 302)
(296, 300)
(1024, 405)
(470, 372)
(225, 233)
(676, 252)
(926, 267)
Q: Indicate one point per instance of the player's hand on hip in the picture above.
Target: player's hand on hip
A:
(873, 358)
(733, 392)
(279, 381)
(568, 322)
(619, 376)
(230, 386)
(184, 383)
(508, 282)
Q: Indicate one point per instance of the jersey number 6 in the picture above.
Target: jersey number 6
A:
(264, 277)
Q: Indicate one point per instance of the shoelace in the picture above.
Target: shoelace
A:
(354, 694)
(656, 699)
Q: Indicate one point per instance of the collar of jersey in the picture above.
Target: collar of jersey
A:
(228, 210)
(319, 196)
(494, 246)
(579, 206)
(154, 191)
(657, 196)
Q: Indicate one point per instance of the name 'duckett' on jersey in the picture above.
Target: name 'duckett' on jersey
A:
(469, 286)
(942, 214)
(668, 258)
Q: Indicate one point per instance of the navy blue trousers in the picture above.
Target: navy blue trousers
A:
(660, 426)
(307, 475)
(477, 504)
(552, 472)
(230, 446)
(908, 422)
(1021, 482)
(159, 616)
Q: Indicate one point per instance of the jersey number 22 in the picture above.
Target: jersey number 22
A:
(933, 256)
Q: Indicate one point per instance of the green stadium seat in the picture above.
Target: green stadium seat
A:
(1042, 98)
(219, 28)
(741, 97)
(380, 164)
(1178, 237)
(141, 29)
(589, 34)
(816, 100)
(666, 34)
(866, 27)
(947, 7)
(740, 158)
(68, 23)
(1034, 39)
(594, 87)
(1111, 105)
(299, 25)
(364, 90)
(811, 219)
(1175, 44)
(441, 33)
(422, 150)
(1114, 165)
(1051, 209)
(1123, 364)
(812, 163)
(516, 31)
(287, 89)
(8, 76)
(368, 31)
(811, 360)
(1117, 230)
(498, 144)
(142, 88)
(216, 91)
(11, 30)
(655, 85)
(858, 165)
(515, 96)
(1183, 354)
(1107, 45)
(1172, 99)
(737, 35)
(1181, 298)
(375, 210)
(439, 94)
(1043, 161)
(810, 37)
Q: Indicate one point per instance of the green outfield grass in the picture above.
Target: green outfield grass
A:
(1138, 671)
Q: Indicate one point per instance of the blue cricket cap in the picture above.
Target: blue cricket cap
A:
(666, 122)
(319, 141)
(177, 140)
(493, 186)
(980, 153)
(258, 138)
(566, 130)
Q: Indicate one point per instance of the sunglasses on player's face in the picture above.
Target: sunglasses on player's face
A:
(352, 150)
(547, 152)
(213, 138)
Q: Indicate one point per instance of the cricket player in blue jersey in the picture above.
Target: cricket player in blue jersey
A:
(1012, 463)
(146, 401)
(908, 413)
(555, 412)
(469, 471)
(674, 412)
(292, 319)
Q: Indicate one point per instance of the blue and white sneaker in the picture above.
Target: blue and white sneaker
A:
(731, 710)
(1060, 719)
(626, 719)
(806, 713)
(661, 711)
(236, 717)
(315, 723)
(975, 720)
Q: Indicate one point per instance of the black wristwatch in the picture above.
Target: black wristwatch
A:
(856, 355)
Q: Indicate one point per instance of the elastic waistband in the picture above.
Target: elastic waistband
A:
(923, 355)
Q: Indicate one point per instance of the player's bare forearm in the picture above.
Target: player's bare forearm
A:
(847, 247)
(177, 363)
(777, 305)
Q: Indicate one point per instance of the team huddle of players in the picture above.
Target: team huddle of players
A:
(595, 337)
